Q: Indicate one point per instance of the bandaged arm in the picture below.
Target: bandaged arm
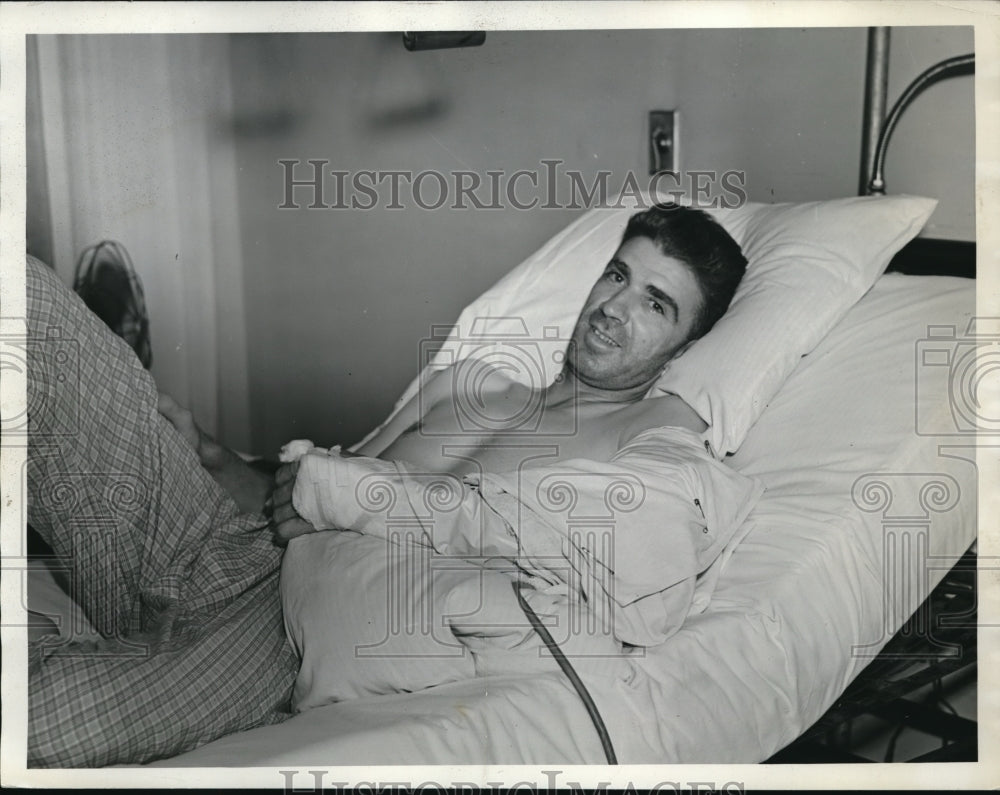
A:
(638, 530)
(381, 498)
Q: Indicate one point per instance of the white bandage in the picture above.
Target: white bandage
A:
(297, 448)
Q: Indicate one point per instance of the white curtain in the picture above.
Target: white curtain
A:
(136, 148)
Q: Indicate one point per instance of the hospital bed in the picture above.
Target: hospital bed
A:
(868, 458)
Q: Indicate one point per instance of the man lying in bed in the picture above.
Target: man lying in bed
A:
(180, 576)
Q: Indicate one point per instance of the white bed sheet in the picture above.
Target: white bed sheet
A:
(776, 646)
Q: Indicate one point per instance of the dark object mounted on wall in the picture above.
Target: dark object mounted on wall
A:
(107, 282)
(442, 39)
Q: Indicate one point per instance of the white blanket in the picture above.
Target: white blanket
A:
(618, 554)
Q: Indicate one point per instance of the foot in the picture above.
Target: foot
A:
(210, 453)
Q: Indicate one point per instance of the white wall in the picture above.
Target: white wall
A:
(128, 143)
(782, 105)
(337, 300)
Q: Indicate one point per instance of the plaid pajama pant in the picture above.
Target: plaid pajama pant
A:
(182, 587)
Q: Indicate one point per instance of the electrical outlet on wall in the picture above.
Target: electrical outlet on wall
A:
(662, 141)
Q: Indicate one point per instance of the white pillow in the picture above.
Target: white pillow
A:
(809, 263)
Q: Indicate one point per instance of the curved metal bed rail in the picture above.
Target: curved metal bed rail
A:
(949, 67)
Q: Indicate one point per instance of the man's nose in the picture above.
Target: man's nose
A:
(616, 306)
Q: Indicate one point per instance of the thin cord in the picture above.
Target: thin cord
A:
(564, 664)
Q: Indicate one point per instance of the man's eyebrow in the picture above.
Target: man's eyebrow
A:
(662, 297)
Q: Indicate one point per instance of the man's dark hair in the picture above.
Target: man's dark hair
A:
(699, 241)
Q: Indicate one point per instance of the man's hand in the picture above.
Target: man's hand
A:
(286, 523)
(247, 486)
(211, 454)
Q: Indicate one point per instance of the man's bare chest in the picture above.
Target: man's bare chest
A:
(502, 431)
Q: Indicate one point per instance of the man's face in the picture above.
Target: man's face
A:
(638, 315)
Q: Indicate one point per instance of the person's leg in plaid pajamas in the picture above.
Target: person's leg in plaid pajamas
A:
(181, 584)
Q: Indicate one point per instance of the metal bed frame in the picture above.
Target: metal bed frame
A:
(939, 639)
